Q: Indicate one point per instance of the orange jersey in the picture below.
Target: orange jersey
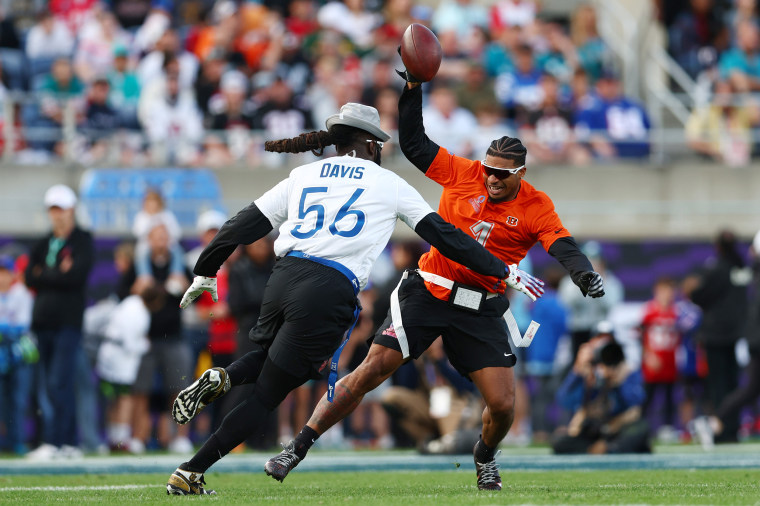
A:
(506, 229)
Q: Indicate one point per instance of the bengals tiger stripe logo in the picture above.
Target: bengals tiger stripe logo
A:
(512, 221)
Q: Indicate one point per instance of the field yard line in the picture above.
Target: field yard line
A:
(74, 489)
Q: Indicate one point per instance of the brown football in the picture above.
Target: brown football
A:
(421, 52)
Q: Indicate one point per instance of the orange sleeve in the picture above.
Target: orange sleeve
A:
(448, 169)
(548, 226)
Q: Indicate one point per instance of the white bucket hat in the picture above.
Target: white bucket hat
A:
(359, 116)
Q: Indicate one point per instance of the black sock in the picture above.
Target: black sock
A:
(304, 440)
(483, 452)
(237, 426)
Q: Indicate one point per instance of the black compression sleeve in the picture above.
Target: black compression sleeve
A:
(567, 252)
(416, 146)
(458, 246)
(245, 227)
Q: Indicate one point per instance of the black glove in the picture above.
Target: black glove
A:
(591, 283)
(405, 73)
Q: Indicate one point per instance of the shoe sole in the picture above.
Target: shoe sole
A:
(186, 404)
(272, 474)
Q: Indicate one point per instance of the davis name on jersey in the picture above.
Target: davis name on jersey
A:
(343, 209)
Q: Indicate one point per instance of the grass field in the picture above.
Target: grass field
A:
(731, 487)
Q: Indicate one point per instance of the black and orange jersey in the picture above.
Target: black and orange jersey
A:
(506, 229)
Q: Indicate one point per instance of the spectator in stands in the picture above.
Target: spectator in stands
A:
(498, 55)
(520, 90)
(593, 54)
(48, 39)
(697, 36)
(741, 63)
(280, 116)
(380, 78)
(124, 88)
(447, 123)
(170, 118)
(605, 397)
(614, 126)
(559, 58)
(153, 65)
(585, 312)
(58, 268)
(722, 295)
(352, 19)
(17, 353)
(169, 354)
(209, 79)
(94, 51)
(100, 120)
(474, 88)
(539, 366)
(229, 108)
(460, 16)
(60, 89)
(548, 131)
(75, 13)
(509, 13)
(491, 125)
(722, 129)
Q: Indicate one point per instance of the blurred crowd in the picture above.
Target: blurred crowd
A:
(204, 82)
(717, 42)
(100, 376)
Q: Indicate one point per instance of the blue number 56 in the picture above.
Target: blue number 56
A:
(344, 211)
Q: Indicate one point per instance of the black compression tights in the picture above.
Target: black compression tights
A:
(247, 368)
(272, 386)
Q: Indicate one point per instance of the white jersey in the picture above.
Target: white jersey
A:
(342, 209)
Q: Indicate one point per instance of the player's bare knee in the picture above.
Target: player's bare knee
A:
(502, 408)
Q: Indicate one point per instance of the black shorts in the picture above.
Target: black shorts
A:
(307, 309)
(472, 341)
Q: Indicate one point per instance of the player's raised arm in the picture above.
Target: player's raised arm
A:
(414, 143)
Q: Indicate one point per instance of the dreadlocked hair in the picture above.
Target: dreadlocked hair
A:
(340, 135)
(509, 148)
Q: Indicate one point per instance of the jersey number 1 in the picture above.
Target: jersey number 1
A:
(344, 211)
(481, 230)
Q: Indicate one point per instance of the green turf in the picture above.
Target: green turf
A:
(429, 488)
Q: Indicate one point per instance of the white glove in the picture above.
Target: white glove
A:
(524, 282)
(200, 284)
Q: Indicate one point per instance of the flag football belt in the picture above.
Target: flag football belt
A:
(332, 378)
(462, 296)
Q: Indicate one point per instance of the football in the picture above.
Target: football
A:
(421, 52)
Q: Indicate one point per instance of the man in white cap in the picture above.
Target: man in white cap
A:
(59, 265)
(335, 216)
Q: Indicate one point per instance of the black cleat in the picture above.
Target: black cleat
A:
(187, 483)
(488, 473)
(278, 467)
(212, 384)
